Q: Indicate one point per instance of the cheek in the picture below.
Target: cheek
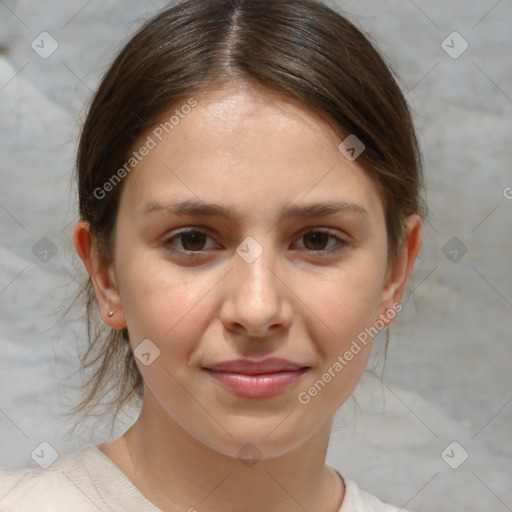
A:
(344, 313)
(166, 305)
(349, 302)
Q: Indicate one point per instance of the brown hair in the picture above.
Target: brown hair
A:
(300, 48)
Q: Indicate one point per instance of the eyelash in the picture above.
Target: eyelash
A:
(342, 244)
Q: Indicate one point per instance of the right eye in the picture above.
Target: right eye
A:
(191, 241)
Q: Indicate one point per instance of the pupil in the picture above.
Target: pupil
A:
(194, 237)
(318, 238)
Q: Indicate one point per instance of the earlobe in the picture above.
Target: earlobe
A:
(400, 269)
(102, 274)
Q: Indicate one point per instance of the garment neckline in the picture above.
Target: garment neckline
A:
(137, 493)
(127, 485)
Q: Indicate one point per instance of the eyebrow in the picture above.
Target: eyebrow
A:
(198, 207)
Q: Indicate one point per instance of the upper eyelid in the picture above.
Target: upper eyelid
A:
(206, 231)
(303, 232)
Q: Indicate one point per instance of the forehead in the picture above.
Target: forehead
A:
(250, 146)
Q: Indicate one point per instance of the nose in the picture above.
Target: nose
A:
(257, 298)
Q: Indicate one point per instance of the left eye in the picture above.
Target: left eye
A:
(318, 239)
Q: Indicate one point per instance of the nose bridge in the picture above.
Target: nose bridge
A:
(255, 268)
(257, 297)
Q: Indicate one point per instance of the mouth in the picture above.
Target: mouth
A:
(251, 383)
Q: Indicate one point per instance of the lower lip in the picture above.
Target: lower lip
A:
(257, 386)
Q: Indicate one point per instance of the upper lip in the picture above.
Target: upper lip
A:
(251, 367)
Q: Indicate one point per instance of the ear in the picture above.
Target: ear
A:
(102, 275)
(400, 268)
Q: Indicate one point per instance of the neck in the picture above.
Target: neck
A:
(175, 471)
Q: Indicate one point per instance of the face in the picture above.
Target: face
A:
(262, 274)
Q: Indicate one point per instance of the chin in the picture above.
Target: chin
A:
(252, 440)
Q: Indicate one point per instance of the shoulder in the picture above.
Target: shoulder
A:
(86, 480)
(65, 485)
(357, 500)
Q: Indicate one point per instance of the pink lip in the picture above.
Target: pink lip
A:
(256, 379)
(257, 386)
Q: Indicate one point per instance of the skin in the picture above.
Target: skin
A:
(257, 153)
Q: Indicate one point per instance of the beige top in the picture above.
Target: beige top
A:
(88, 481)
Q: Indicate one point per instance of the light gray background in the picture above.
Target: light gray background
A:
(447, 377)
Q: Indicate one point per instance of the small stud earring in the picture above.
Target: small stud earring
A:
(111, 313)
